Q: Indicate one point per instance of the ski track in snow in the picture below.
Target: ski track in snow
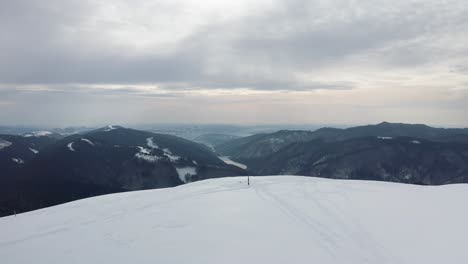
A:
(277, 220)
(330, 238)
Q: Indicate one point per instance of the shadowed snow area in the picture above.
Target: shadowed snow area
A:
(277, 219)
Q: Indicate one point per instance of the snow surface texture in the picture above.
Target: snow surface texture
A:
(4, 144)
(280, 219)
(228, 160)
(38, 134)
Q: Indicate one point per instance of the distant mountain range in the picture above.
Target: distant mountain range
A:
(24, 130)
(42, 170)
(387, 151)
(261, 145)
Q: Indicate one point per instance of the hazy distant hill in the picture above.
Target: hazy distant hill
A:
(212, 140)
(262, 145)
(388, 152)
(401, 159)
(16, 150)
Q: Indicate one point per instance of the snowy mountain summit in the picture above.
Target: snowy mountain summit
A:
(277, 219)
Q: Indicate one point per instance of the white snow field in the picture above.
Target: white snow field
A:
(277, 219)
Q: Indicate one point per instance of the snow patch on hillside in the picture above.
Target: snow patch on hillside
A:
(228, 160)
(147, 157)
(321, 160)
(110, 128)
(17, 160)
(385, 138)
(33, 150)
(171, 156)
(275, 220)
(415, 142)
(87, 141)
(185, 173)
(144, 150)
(151, 144)
(4, 144)
(70, 146)
(38, 134)
(145, 154)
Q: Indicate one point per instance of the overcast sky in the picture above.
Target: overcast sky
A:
(65, 62)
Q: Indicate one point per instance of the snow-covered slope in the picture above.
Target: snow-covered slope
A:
(276, 219)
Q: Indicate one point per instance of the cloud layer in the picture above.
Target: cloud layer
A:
(179, 53)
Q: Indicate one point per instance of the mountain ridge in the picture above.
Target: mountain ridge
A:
(107, 160)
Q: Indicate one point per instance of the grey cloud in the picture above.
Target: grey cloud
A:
(461, 68)
(45, 43)
(304, 44)
(65, 90)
